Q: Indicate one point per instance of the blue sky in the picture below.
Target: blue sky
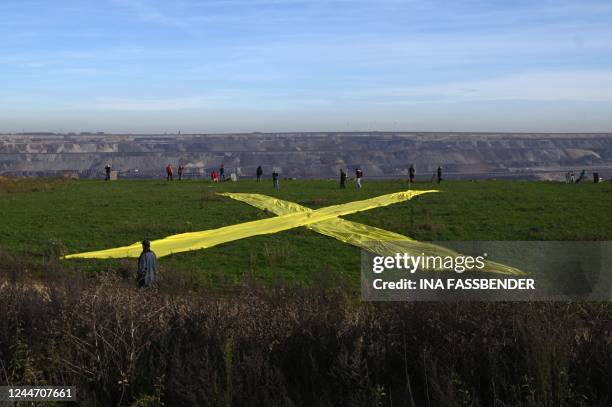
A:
(291, 65)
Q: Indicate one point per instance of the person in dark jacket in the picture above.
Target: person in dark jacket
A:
(107, 170)
(180, 171)
(439, 174)
(411, 172)
(259, 173)
(275, 180)
(222, 172)
(147, 265)
(342, 178)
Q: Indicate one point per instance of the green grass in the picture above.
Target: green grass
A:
(42, 218)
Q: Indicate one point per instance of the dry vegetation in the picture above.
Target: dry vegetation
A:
(281, 347)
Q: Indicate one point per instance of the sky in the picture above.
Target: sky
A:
(292, 65)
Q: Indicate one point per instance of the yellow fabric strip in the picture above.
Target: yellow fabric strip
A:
(376, 240)
(209, 238)
(353, 233)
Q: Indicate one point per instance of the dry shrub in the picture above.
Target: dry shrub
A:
(290, 347)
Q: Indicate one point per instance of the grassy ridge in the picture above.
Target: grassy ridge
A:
(44, 218)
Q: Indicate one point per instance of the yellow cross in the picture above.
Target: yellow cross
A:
(291, 215)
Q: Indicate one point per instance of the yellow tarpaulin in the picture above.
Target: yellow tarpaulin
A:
(290, 215)
(373, 239)
(208, 238)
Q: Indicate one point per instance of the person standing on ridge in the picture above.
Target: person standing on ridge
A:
(107, 170)
(259, 173)
(169, 172)
(275, 180)
(439, 174)
(342, 178)
(222, 172)
(358, 176)
(147, 266)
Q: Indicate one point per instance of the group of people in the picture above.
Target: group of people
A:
(216, 176)
(170, 172)
(571, 179)
(436, 176)
(359, 176)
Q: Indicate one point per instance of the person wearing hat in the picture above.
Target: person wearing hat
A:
(147, 265)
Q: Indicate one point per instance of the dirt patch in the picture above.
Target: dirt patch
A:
(15, 185)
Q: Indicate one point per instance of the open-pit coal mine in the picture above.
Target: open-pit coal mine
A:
(308, 155)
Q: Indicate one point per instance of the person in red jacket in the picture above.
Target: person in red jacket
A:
(169, 172)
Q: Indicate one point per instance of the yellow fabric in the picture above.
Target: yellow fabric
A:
(209, 238)
(375, 240)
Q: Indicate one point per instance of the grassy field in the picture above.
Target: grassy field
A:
(282, 344)
(42, 219)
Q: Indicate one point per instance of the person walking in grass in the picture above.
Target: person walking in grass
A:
(358, 176)
(275, 180)
(342, 178)
(259, 173)
(147, 266)
(169, 172)
(439, 174)
(180, 171)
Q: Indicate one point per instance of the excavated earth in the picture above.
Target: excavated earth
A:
(308, 155)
